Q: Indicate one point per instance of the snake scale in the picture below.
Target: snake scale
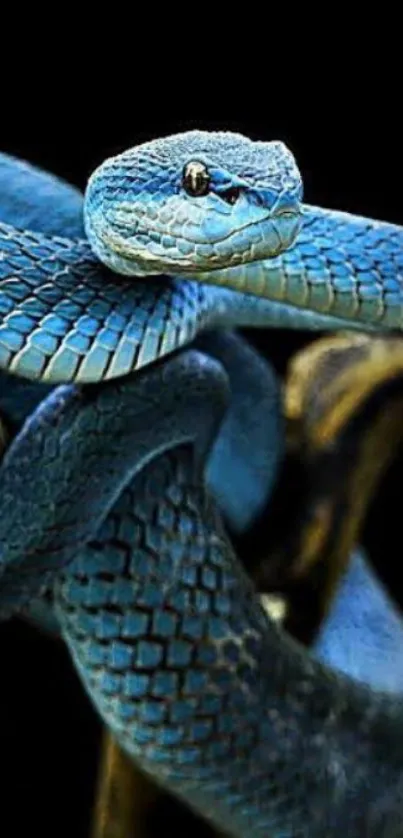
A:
(102, 490)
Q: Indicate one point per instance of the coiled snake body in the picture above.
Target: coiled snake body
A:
(102, 489)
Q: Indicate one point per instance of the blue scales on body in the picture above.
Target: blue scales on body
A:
(102, 488)
(259, 256)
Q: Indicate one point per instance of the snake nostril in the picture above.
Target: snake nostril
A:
(231, 195)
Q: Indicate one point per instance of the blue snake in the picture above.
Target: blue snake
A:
(102, 487)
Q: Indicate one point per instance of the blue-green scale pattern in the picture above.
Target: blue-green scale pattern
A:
(199, 686)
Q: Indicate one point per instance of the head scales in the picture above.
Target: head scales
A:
(141, 220)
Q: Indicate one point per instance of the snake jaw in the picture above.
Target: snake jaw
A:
(144, 254)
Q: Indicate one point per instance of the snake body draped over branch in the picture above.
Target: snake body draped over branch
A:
(169, 638)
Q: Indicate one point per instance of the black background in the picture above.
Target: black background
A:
(350, 157)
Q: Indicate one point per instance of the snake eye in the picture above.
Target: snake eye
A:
(196, 179)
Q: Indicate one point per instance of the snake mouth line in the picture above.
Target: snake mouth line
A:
(273, 216)
(116, 244)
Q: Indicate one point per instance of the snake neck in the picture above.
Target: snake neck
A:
(65, 317)
(198, 684)
(342, 266)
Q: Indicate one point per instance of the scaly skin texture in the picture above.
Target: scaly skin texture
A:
(200, 687)
(67, 318)
(254, 458)
(164, 626)
(142, 219)
(342, 265)
(76, 453)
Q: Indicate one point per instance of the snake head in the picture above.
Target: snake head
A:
(193, 202)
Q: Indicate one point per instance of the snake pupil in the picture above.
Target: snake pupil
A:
(196, 179)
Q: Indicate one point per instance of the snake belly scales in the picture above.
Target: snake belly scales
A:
(102, 489)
